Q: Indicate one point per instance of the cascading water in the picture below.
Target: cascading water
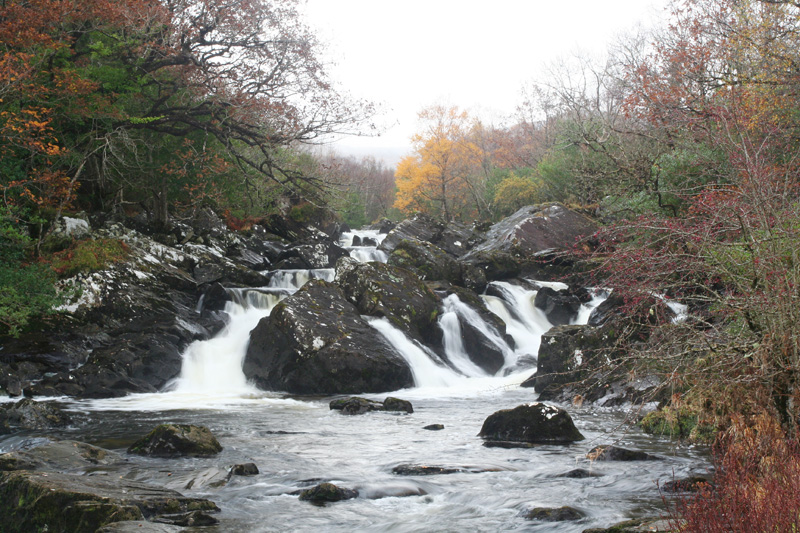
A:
(363, 252)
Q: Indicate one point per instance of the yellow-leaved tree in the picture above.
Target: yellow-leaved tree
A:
(442, 176)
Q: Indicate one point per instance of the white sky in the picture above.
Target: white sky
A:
(409, 54)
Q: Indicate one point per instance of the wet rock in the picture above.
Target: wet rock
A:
(177, 440)
(368, 241)
(396, 404)
(215, 298)
(315, 342)
(29, 414)
(61, 456)
(579, 473)
(565, 353)
(392, 292)
(554, 514)
(560, 307)
(39, 501)
(535, 423)
(198, 478)
(421, 227)
(355, 405)
(645, 312)
(434, 427)
(689, 484)
(615, 453)
(327, 492)
(356, 240)
(311, 255)
(426, 260)
(138, 526)
(383, 226)
(421, 470)
(187, 519)
(245, 469)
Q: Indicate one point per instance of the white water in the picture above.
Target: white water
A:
(364, 254)
(524, 321)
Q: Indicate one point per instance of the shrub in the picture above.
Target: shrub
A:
(756, 486)
(89, 256)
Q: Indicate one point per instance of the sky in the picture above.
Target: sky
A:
(405, 55)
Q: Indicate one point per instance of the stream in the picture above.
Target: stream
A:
(298, 442)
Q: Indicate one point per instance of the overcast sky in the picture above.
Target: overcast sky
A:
(409, 54)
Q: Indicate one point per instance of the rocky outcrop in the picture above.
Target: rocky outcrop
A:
(320, 254)
(554, 514)
(564, 356)
(177, 440)
(32, 415)
(392, 292)
(426, 260)
(315, 342)
(421, 228)
(560, 307)
(357, 406)
(535, 423)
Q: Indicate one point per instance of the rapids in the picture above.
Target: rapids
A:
(299, 442)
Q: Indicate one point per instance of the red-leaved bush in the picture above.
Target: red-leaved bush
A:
(756, 486)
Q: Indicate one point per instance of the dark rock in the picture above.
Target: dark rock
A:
(39, 501)
(327, 492)
(565, 353)
(554, 514)
(383, 226)
(356, 240)
(246, 469)
(187, 519)
(638, 525)
(29, 414)
(208, 273)
(312, 255)
(421, 227)
(426, 260)
(396, 404)
(177, 440)
(215, 298)
(457, 239)
(615, 453)
(420, 470)
(535, 423)
(579, 473)
(560, 307)
(138, 526)
(392, 292)
(646, 311)
(315, 342)
(434, 427)
(368, 241)
(61, 456)
(355, 405)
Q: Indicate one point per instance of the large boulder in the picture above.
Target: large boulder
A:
(381, 290)
(177, 440)
(426, 260)
(564, 355)
(421, 227)
(560, 307)
(534, 423)
(535, 239)
(321, 254)
(315, 342)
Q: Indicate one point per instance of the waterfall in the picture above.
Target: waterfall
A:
(524, 321)
(455, 311)
(359, 251)
(426, 372)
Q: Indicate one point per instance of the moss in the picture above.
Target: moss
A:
(681, 423)
(89, 255)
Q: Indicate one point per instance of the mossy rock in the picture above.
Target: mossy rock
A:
(327, 492)
(177, 440)
(680, 423)
(535, 423)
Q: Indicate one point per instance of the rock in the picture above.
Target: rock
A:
(434, 427)
(564, 355)
(645, 312)
(383, 226)
(52, 501)
(138, 526)
(420, 470)
(690, 484)
(356, 241)
(426, 261)
(535, 423)
(392, 292)
(29, 414)
(61, 456)
(311, 255)
(327, 492)
(177, 440)
(76, 228)
(215, 298)
(579, 473)
(396, 404)
(187, 519)
(246, 469)
(560, 307)
(368, 241)
(557, 514)
(421, 228)
(315, 342)
(615, 453)
(355, 405)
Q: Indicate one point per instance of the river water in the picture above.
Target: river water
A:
(299, 442)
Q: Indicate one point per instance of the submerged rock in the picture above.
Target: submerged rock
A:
(554, 514)
(315, 342)
(356, 405)
(177, 440)
(396, 404)
(29, 414)
(535, 423)
(434, 427)
(421, 470)
(245, 469)
(615, 453)
(327, 492)
(52, 501)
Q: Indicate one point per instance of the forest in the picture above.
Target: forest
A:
(683, 141)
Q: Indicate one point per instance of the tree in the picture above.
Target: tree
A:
(436, 178)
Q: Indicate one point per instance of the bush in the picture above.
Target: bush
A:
(89, 256)
(756, 486)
